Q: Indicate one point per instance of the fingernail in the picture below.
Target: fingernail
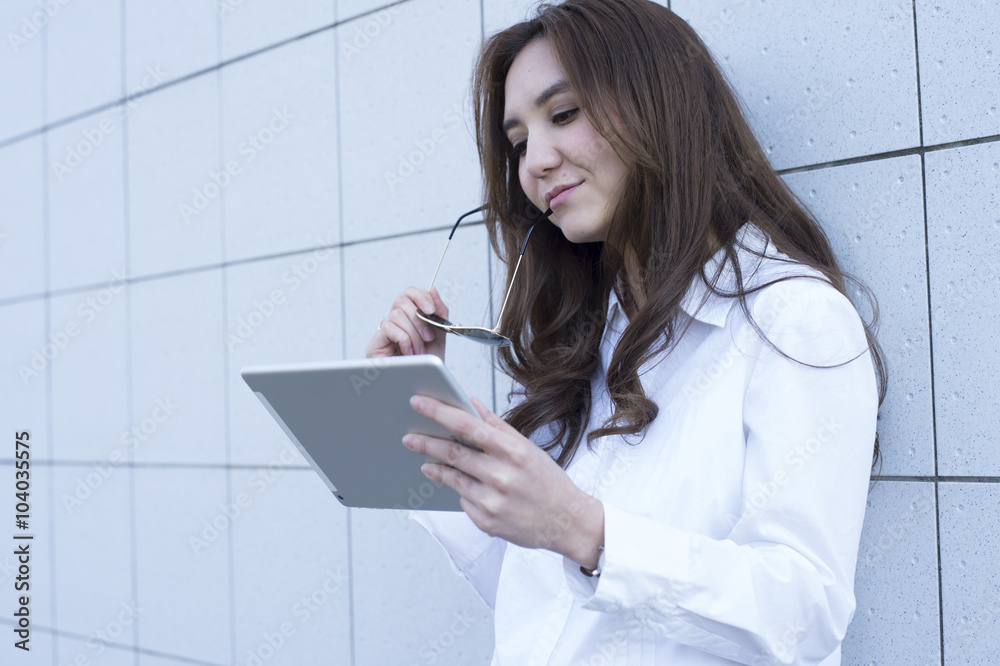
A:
(428, 307)
(416, 402)
(427, 469)
(428, 335)
(408, 441)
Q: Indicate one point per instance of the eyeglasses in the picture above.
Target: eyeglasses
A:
(487, 336)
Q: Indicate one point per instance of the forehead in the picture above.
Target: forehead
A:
(534, 69)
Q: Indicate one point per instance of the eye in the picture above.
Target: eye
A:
(564, 117)
(561, 118)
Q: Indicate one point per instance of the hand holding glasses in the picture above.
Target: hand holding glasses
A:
(487, 336)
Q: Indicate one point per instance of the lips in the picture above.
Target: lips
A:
(559, 193)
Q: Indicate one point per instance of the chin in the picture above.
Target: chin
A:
(581, 238)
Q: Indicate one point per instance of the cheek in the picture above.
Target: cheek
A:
(591, 147)
(607, 164)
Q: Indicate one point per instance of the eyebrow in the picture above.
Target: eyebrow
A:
(559, 86)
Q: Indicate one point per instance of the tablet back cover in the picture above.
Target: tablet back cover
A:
(348, 419)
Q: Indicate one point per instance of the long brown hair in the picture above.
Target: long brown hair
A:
(696, 173)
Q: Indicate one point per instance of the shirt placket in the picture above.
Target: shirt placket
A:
(586, 475)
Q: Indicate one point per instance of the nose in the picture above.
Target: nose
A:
(541, 155)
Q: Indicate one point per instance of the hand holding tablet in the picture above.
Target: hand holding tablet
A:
(348, 419)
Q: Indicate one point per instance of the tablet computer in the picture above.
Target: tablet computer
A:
(348, 419)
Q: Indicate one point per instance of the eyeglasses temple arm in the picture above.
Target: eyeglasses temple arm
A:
(518, 265)
(457, 222)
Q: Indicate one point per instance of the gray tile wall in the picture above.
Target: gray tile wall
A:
(190, 188)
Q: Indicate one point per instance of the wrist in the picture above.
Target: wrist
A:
(588, 542)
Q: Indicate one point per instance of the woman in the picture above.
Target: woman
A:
(699, 393)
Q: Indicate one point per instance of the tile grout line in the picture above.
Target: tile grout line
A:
(375, 239)
(186, 77)
(224, 287)
(351, 628)
(129, 383)
(131, 279)
(47, 323)
(930, 330)
(489, 250)
(890, 154)
(72, 635)
(937, 538)
(916, 63)
(930, 334)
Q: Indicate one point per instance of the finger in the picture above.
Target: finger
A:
(462, 483)
(449, 452)
(458, 421)
(397, 336)
(492, 419)
(421, 299)
(409, 301)
(402, 320)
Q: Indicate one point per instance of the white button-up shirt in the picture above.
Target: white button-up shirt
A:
(731, 530)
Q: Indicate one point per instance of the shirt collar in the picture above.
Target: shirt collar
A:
(699, 301)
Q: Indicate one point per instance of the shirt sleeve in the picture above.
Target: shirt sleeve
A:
(779, 588)
(472, 554)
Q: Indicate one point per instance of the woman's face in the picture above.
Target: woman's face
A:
(558, 148)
